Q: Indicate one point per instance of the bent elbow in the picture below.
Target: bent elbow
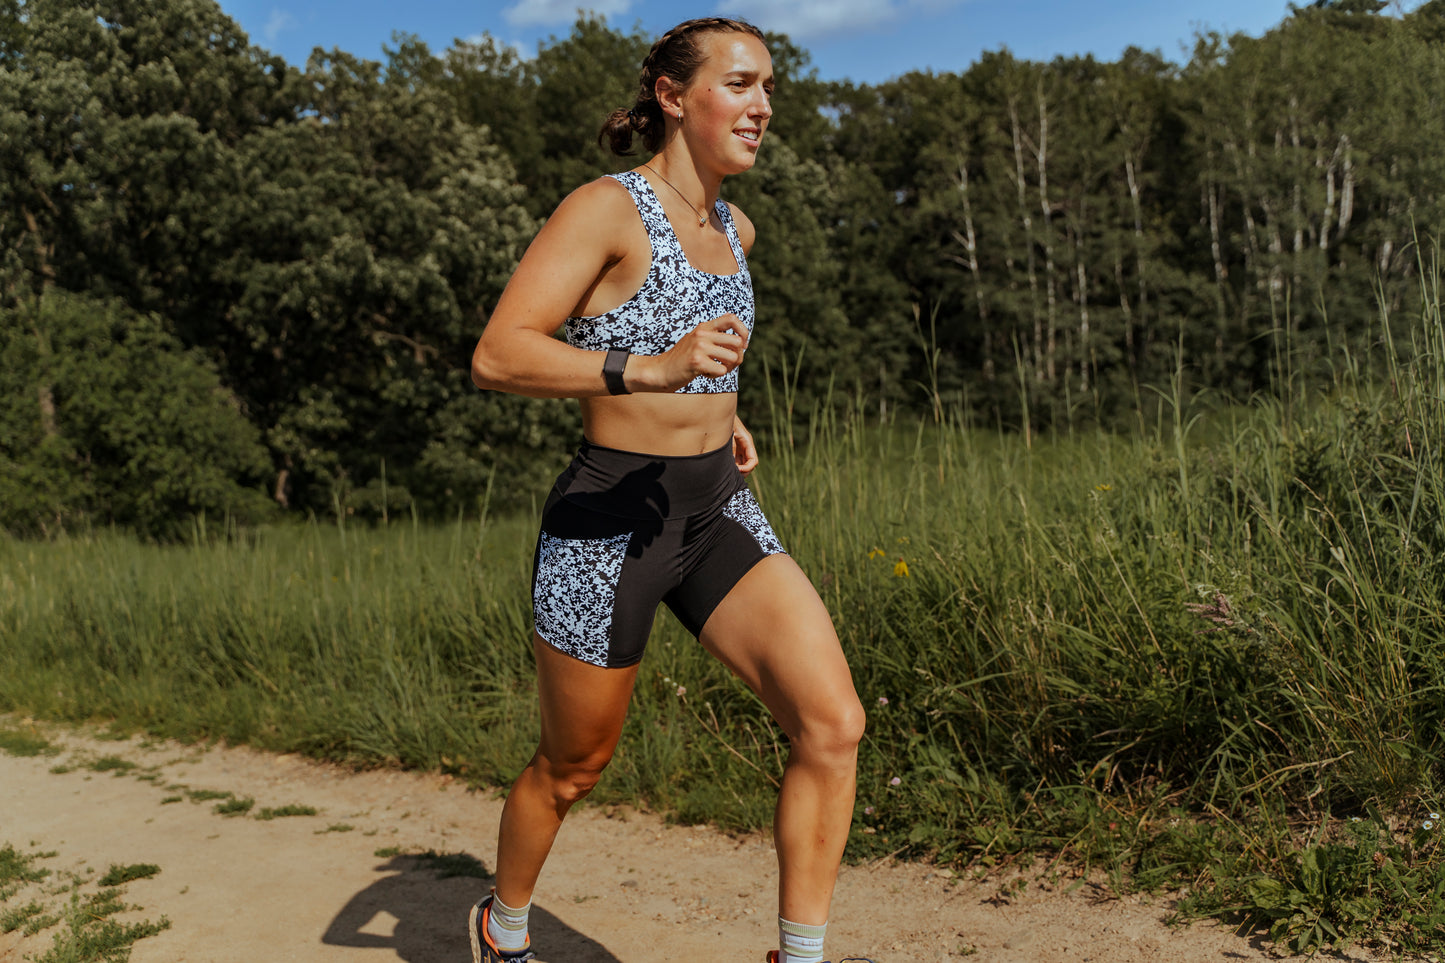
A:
(484, 371)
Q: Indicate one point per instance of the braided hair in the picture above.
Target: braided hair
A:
(677, 55)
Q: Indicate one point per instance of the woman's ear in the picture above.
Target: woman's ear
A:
(669, 97)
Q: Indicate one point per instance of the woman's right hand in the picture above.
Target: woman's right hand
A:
(711, 349)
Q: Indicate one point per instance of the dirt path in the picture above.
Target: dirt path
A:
(621, 886)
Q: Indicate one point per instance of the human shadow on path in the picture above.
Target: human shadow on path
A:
(429, 898)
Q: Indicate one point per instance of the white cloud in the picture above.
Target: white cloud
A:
(811, 19)
(807, 19)
(279, 22)
(542, 13)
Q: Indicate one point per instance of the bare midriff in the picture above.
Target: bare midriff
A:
(660, 424)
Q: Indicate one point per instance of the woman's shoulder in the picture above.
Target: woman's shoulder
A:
(747, 233)
(603, 197)
(593, 212)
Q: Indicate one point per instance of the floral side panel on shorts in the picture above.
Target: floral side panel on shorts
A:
(743, 508)
(574, 593)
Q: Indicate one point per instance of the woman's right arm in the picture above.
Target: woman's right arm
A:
(574, 250)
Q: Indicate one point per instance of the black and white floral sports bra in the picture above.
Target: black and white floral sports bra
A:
(675, 298)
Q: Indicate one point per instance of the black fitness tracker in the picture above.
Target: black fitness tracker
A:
(612, 368)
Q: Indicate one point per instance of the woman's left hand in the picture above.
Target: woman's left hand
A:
(745, 452)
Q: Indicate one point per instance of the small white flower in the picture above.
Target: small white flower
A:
(1429, 824)
(1354, 819)
(867, 810)
(1433, 816)
(895, 781)
(681, 691)
(882, 700)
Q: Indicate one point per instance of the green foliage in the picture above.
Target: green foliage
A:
(87, 933)
(105, 417)
(1032, 243)
(1366, 881)
(20, 743)
(113, 764)
(120, 875)
(233, 807)
(280, 812)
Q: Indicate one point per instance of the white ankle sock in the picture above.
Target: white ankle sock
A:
(507, 927)
(800, 942)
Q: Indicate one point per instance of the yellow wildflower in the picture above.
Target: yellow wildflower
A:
(1103, 488)
(876, 553)
(901, 569)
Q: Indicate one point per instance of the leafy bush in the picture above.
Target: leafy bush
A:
(105, 419)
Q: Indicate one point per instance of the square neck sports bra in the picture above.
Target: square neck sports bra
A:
(674, 298)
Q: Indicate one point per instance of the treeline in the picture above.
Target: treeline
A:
(237, 286)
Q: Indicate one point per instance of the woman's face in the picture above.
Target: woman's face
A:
(727, 106)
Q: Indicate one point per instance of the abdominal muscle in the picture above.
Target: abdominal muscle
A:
(660, 424)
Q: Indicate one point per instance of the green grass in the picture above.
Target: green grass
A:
(280, 812)
(113, 764)
(1188, 655)
(18, 742)
(233, 807)
(84, 930)
(117, 875)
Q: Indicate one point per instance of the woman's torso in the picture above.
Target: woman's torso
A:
(645, 302)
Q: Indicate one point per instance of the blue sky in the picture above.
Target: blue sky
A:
(867, 41)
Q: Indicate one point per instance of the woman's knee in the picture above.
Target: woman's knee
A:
(571, 780)
(833, 728)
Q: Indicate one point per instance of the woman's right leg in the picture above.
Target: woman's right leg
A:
(583, 707)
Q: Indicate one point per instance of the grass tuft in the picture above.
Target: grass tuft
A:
(279, 812)
(234, 807)
(25, 743)
(118, 875)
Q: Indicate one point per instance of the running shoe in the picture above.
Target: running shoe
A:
(482, 949)
(775, 955)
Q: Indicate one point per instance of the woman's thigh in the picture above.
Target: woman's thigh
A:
(583, 706)
(773, 631)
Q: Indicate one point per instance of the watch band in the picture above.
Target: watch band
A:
(612, 368)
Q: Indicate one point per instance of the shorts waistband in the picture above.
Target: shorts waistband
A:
(641, 485)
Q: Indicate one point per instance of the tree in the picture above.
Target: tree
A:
(106, 419)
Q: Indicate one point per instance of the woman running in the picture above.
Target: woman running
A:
(648, 271)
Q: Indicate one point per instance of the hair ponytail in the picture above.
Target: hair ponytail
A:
(677, 56)
(643, 119)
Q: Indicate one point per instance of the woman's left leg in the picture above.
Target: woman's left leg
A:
(774, 632)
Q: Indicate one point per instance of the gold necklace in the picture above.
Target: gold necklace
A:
(701, 218)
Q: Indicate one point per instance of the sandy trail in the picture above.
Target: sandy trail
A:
(621, 886)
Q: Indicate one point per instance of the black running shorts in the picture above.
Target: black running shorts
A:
(622, 531)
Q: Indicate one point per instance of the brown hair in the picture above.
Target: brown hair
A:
(676, 56)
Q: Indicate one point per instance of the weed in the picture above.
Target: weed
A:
(113, 764)
(233, 807)
(18, 743)
(29, 919)
(172, 799)
(87, 934)
(336, 828)
(289, 810)
(117, 875)
(18, 868)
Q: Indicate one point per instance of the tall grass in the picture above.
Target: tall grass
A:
(1150, 649)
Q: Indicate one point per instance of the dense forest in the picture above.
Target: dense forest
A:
(243, 287)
